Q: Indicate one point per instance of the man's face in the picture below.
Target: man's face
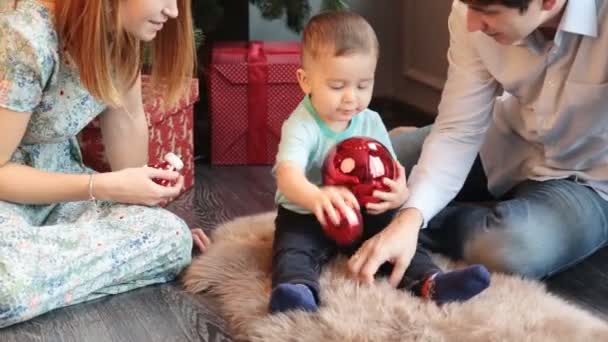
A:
(505, 24)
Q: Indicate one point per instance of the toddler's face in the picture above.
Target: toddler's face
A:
(144, 18)
(340, 87)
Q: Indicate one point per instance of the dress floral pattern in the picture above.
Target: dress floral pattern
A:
(61, 254)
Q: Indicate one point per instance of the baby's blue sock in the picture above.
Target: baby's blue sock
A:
(292, 296)
(458, 285)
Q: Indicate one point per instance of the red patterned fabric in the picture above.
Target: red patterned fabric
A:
(253, 89)
(171, 130)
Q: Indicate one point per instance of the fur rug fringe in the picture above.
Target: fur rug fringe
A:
(236, 269)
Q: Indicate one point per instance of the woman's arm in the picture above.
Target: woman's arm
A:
(27, 185)
(23, 184)
(125, 132)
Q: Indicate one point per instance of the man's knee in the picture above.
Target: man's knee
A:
(408, 145)
(509, 247)
(500, 258)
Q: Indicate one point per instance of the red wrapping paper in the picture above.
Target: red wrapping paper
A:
(170, 130)
(253, 89)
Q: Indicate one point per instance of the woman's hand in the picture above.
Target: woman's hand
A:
(393, 199)
(200, 239)
(135, 186)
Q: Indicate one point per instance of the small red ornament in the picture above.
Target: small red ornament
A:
(360, 164)
(172, 163)
(348, 231)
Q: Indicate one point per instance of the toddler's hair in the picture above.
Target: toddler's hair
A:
(338, 33)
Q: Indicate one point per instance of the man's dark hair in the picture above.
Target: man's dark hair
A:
(521, 4)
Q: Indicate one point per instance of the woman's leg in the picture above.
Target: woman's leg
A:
(79, 254)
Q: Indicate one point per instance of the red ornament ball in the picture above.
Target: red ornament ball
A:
(348, 231)
(360, 164)
(170, 162)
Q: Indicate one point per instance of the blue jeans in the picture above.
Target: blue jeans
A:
(535, 230)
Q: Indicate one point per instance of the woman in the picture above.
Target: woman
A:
(67, 234)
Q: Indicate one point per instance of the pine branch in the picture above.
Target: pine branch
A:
(270, 9)
(297, 11)
(334, 5)
(207, 14)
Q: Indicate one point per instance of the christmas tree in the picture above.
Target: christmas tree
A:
(207, 13)
(296, 11)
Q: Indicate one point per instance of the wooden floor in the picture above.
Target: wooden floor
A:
(166, 313)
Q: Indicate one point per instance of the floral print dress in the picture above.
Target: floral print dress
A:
(65, 253)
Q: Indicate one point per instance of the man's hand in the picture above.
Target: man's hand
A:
(395, 198)
(396, 244)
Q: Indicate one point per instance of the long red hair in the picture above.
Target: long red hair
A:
(110, 59)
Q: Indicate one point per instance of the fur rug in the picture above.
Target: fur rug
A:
(236, 271)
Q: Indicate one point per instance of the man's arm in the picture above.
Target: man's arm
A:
(448, 153)
(464, 115)
(125, 131)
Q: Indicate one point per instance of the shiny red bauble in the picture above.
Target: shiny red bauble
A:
(170, 162)
(360, 164)
(348, 231)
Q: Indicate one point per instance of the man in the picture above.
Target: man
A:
(543, 144)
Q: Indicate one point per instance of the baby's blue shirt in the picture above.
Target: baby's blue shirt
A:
(306, 140)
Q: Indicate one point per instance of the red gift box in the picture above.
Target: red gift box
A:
(253, 89)
(170, 130)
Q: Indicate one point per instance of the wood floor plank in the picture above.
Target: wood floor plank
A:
(197, 315)
(74, 323)
(226, 192)
(585, 284)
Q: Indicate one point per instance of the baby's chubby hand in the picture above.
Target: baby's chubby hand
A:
(330, 198)
(392, 199)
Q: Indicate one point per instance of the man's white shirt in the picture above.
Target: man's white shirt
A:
(534, 110)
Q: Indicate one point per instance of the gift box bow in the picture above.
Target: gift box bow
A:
(247, 64)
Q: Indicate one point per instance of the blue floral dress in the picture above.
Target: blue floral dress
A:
(61, 254)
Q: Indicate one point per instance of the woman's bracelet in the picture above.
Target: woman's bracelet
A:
(91, 188)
